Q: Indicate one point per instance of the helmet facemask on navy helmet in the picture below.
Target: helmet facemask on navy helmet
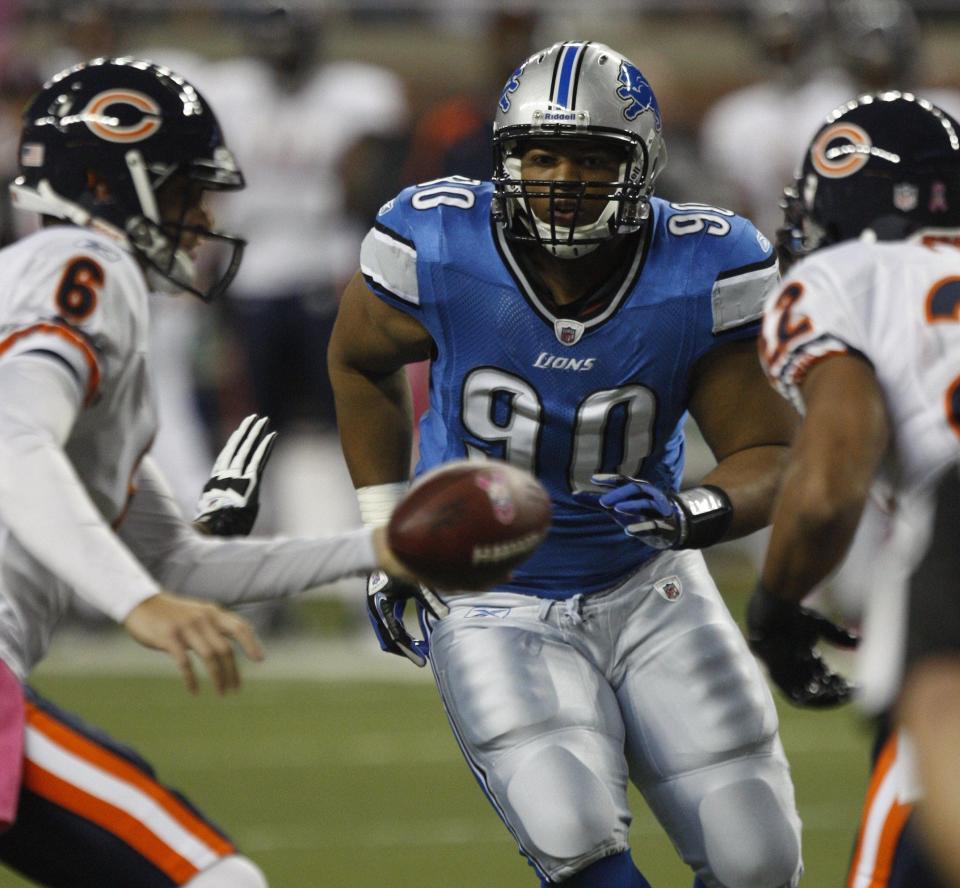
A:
(581, 97)
(101, 140)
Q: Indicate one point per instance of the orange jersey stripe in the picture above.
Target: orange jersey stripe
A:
(111, 818)
(127, 772)
(93, 383)
(895, 818)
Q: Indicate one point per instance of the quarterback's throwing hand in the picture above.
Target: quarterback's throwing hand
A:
(386, 599)
(784, 635)
(689, 519)
(231, 498)
(178, 626)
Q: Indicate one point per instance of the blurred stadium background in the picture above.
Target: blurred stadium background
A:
(334, 766)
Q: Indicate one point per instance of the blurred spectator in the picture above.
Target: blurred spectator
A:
(752, 139)
(89, 29)
(312, 136)
(878, 44)
(452, 137)
(19, 80)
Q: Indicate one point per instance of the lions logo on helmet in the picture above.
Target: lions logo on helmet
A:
(637, 92)
(511, 86)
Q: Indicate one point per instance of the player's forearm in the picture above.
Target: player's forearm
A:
(375, 417)
(833, 463)
(232, 570)
(816, 516)
(750, 478)
(242, 570)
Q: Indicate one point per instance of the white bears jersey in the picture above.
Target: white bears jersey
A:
(898, 306)
(72, 296)
(75, 295)
(74, 331)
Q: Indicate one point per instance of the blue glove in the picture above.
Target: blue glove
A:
(386, 600)
(690, 519)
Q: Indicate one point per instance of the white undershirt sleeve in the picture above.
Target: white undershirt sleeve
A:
(42, 500)
(232, 571)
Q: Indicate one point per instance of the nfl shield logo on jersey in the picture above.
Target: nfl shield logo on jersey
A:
(568, 332)
(669, 589)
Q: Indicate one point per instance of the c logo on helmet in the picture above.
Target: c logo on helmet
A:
(141, 113)
(850, 154)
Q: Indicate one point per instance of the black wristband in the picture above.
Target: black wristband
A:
(707, 513)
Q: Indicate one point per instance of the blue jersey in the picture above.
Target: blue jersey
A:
(565, 398)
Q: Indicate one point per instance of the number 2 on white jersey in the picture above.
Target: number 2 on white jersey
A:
(943, 306)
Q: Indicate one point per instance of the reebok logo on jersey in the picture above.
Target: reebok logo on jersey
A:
(497, 612)
(547, 361)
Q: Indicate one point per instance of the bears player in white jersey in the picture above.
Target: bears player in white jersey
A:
(116, 155)
(572, 319)
(863, 337)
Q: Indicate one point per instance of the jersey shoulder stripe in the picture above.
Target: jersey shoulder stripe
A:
(739, 293)
(35, 336)
(388, 263)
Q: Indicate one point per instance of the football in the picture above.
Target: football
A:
(466, 524)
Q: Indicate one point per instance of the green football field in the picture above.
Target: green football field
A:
(359, 783)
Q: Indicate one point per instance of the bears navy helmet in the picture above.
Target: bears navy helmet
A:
(887, 163)
(101, 139)
(584, 91)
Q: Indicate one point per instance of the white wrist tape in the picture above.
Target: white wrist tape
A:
(378, 501)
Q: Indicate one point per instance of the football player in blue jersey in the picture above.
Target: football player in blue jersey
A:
(573, 320)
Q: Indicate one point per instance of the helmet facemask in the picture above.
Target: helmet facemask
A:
(624, 199)
(166, 241)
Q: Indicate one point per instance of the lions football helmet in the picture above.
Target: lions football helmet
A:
(576, 90)
(99, 141)
(887, 164)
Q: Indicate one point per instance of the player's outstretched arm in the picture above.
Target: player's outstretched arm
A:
(827, 480)
(179, 627)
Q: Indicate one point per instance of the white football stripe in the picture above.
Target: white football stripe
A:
(78, 772)
(886, 797)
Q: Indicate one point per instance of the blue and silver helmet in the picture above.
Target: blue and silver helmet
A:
(577, 90)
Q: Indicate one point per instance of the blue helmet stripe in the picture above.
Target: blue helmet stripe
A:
(567, 63)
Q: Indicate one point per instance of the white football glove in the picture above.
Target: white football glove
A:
(231, 498)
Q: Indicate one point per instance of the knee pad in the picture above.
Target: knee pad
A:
(565, 810)
(230, 872)
(751, 840)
